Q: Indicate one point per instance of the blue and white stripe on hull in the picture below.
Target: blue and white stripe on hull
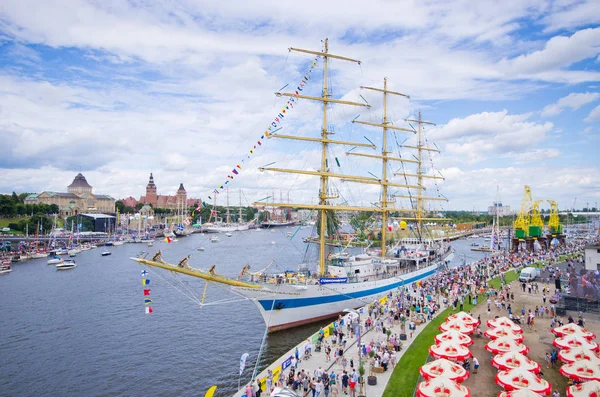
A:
(286, 305)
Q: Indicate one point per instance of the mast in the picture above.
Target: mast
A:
(240, 210)
(227, 199)
(384, 159)
(323, 207)
(420, 175)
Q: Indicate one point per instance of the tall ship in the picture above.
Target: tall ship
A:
(277, 217)
(228, 226)
(339, 280)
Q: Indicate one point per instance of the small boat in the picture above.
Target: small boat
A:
(105, 253)
(15, 259)
(55, 260)
(201, 249)
(72, 255)
(272, 242)
(288, 234)
(150, 243)
(214, 239)
(38, 255)
(228, 234)
(116, 243)
(5, 267)
(66, 265)
(474, 245)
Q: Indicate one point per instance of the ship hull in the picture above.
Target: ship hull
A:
(286, 306)
(269, 225)
(227, 228)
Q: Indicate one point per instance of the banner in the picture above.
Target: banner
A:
(333, 280)
(243, 362)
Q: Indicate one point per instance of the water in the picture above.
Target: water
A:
(84, 331)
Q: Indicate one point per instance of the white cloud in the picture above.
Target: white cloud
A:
(594, 115)
(481, 134)
(559, 52)
(573, 101)
(572, 14)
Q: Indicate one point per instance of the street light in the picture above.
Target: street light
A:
(357, 332)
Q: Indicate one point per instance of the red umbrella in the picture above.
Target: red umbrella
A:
(455, 325)
(520, 379)
(504, 345)
(518, 393)
(512, 360)
(449, 351)
(587, 389)
(453, 337)
(581, 371)
(442, 387)
(504, 322)
(574, 341)
(577, 354)
(573, 329)
(465, 318)
(444, 368)
(501, 332)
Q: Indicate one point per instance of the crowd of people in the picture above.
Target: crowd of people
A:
(381, 327)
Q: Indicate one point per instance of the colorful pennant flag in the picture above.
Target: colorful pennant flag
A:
(149, 310)
(147, 301)
(167, 239)
(144, 273)
(276, 121)
(145, 281)
(146, 292)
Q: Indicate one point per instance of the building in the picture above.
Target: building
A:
(102, 223)
(592, 257)
(79, 198)
(500, 209)
(179, 200)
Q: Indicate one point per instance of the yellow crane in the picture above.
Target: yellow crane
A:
(536, 224)
(554, 225)
(524, 219)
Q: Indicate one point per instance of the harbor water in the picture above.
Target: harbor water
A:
(85, 331)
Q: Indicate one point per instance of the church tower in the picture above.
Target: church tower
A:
(151, 196)
(181, 197)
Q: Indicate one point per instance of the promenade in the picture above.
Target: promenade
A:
(452, 287)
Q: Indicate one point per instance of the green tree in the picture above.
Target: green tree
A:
(333, 224)
(40, 219)
(361, 223)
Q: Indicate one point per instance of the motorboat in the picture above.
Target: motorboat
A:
(106, 253)
(228, 234)
(214, 239)
(201, 249)
(5, 267)
(55, 260)
(150, 243)
(66, 265)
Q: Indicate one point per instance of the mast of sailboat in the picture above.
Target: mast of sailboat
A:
(227, 199)
(420, 175)
(385, 125)
(240, 210)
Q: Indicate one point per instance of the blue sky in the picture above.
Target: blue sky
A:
(185, 89)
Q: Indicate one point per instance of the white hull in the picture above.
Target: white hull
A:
(234, 227)
(55, 261)
(302, 304)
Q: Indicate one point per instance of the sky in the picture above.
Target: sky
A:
(119, 89)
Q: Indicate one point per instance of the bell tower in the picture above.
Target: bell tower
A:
(151, 196)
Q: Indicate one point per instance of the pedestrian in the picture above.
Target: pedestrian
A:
(475, 365)
(547, 360)
(345, 379)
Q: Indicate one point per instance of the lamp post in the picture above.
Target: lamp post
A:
(357, 332)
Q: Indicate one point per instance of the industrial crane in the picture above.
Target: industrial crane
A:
(536, 224)
(524, 219)
(554, 225)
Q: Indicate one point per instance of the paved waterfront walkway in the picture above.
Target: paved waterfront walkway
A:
(318, 359)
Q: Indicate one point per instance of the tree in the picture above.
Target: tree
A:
(39, 219)
(86, 223)
(138, 206)
(53, 209)
(333, 223)
(361, 223)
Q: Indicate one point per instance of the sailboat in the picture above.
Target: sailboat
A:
(183, 228)
(495, 237)
(277, 220)
(341, 281)
(228, 226)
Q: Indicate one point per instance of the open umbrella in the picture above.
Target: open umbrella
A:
(520, 379)
(465, 318)
(577, 354)
(581, 371)
(518, 393)
(587, 389)
(504, 322)
(512, 360)
(453, 337)
(449, 351)
(500, 332)
(574, 341)
(504, 345)
(442, 387)
(573, 329)
(444, 368)
(456, 325)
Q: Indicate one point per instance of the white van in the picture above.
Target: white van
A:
(529, 274)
